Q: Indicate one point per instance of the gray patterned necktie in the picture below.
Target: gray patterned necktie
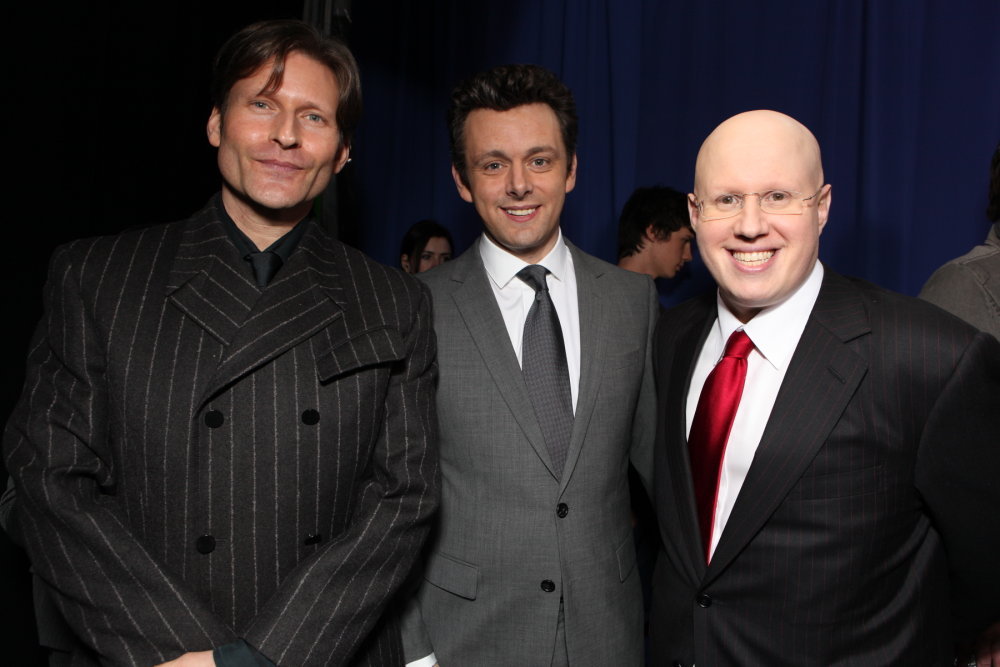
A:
(543, 365)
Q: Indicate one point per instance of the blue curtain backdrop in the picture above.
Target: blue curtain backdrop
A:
(903, 95)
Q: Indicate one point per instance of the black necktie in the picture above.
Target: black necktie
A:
(265, 265)
(543, 364)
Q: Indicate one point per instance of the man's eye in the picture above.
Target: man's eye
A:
(314, 117)
(727, 200)
(777, 196)
(540, 162)
(425, 255)
(257, 104)
(492, 166)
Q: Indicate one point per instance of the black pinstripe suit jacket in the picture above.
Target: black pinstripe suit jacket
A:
(877, 474)
(198, 460)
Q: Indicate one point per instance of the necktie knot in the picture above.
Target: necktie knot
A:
(265, 264)
(739, 345)
(534, 276)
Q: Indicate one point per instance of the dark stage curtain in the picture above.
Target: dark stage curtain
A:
(903, 95)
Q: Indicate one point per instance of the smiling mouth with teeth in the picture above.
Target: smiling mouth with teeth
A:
(520, 211)
(753, 258)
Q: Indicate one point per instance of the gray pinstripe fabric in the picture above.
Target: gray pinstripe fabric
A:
(874, 482)
(543, 364)
(315, 474)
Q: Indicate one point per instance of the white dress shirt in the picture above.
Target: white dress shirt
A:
(775, 332)
(514, 297)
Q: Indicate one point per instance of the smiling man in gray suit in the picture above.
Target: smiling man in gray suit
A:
(543, 398)
(224, 453)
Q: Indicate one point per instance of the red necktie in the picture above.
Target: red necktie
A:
(713, 420)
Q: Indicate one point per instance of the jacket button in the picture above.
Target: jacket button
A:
(310, 417)
(205, 544)
(704, 601)
(548, 585)
(313, 538)
(562, 509)
(214, 419)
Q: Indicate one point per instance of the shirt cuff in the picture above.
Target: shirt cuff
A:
(239, 654)
(429, 661)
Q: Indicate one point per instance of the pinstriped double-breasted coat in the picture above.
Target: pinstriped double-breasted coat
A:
(198, 460)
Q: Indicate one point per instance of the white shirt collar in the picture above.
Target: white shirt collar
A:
(501, 266)
(775, 330)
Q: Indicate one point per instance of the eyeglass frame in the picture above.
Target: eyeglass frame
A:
(700, 204)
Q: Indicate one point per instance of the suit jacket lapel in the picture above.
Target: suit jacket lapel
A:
(593, 330)
(823, 375)
(478, 308)
(204, 281)
(302, 299)
(687, 347)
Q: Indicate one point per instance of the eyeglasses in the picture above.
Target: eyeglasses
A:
(780, 202)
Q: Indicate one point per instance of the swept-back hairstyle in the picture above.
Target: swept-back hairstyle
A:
(271, 42)
(502, 89)
(662, 207)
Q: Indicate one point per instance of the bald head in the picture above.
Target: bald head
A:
(761, 146)
(759, 256)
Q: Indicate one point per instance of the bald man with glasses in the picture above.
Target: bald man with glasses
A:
(827, 454)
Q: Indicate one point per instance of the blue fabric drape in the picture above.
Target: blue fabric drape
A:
(903, 95)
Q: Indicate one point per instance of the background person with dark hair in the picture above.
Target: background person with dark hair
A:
(224, 452)
(426, 244)
(969, 286)
(654, 232)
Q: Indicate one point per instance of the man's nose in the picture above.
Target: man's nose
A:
(751, 222)
(518, 181)
(285, 130)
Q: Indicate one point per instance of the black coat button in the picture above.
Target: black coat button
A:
(205, 544)
(313, 538)
(310, 417)
(548, 585)
(214, 419)
(562, 509)
(704, 601)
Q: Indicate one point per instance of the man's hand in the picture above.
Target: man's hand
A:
(194, 659)
(988, 647)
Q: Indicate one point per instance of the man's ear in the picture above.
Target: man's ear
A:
(214, 127)
(463, 190)
(693, 212)
(823, 205)
(654, 236)
(571, 176)
(343, 157)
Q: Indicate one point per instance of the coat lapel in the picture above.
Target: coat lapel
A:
(204, 281)
(303, 299)
(823, 375)
(594, 328)
(478, 309)
(686, 348)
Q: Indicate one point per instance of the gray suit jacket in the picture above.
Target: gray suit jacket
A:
(969, 286)
(198, 460)
(874, 481)
(509, 523)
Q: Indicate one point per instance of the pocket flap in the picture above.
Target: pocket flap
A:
(452, 575)
(369, 348)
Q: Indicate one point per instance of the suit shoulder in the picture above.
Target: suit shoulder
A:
(895, 314)
(369, 279)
